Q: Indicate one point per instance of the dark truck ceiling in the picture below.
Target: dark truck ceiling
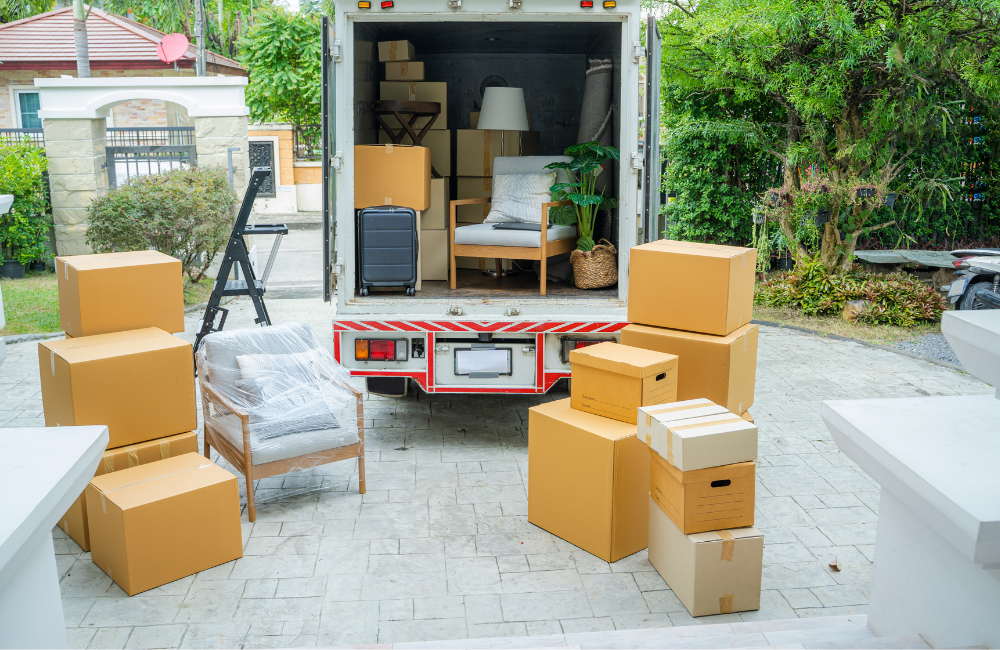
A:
(502, 37)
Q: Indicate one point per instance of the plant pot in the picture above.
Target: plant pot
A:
(36, 267)
(596, 268)
(12, 269)
(785, 263)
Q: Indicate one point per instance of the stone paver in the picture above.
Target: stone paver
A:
(440, 546)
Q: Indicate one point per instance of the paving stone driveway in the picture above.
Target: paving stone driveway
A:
(440, 546)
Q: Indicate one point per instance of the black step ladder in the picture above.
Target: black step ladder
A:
(237, 253)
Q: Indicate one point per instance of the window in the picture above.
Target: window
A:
(27, 109)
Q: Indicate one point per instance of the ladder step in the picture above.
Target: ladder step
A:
(239, 288)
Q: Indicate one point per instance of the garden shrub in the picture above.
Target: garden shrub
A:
(894, 299)
(184, 213)
(24, 230)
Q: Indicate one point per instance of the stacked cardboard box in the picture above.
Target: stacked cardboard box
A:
(588, 473)
(405, 81)
(696, 301)
(120, 367)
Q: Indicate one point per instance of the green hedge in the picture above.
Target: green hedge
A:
(24, 230)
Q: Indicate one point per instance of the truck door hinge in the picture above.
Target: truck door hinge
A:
(638, 51)
(335, 50)
(637, 160)
(337, 161)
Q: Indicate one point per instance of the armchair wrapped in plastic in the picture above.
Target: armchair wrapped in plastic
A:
(275, 401)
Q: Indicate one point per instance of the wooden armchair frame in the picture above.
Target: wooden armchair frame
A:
(241, 459)
(499, 253)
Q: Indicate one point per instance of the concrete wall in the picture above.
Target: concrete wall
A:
(309, 185)
(78, 174)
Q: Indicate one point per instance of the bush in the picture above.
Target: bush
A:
(24, 230)
(894, 299)
(184, 213)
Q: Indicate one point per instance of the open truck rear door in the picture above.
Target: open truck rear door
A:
(651, 145)
(331, 158)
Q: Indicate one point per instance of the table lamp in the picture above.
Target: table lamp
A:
(503, 110)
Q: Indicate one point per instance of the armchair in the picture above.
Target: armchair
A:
(275, 401)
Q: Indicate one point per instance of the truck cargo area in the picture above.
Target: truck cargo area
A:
(549, 61)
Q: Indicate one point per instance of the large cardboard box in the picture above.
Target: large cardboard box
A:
(436, 216)
(404, 71)
(74, 522)
(473, 187)
(439, 142)
(475, 149)
(717, 572)
(690, 286)
(588, 480)
(613, 380)
(703, 499)
(417, 91)
(720, 368)
(670, 412)
(156, 523)
(392, 174)
(396, 51)
(708, 441)
(434, 254)
(115, 292)
(140, 384)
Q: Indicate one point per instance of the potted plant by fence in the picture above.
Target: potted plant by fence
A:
(24, 229)
(594, 264)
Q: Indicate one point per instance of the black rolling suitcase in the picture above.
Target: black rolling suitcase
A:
(387, 248)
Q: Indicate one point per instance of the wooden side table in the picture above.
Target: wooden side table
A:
(407, 113)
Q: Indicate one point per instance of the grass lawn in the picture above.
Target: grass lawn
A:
(879, 334)
(31, 305)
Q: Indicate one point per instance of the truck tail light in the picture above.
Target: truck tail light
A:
(586, 4)
(380, 350)
(387, 4)
(364, 4)
(568, 345)
(609, 4)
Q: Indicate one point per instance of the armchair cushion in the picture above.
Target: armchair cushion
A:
(298, 444)
(519, 197)
(483, 234)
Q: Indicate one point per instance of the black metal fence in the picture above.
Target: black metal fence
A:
(19, 136)
(307, 142)
(148, 150)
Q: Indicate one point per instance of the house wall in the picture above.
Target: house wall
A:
(285, 199)
(142, 112)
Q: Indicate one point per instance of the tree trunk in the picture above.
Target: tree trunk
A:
(82, 51)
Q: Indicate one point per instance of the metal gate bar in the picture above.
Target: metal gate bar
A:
(149, 150)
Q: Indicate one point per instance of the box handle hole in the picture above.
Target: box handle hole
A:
(723, 483)
(660, 376)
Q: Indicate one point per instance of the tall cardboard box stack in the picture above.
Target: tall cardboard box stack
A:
(696, 301)
(119, 366)
(405, 81)
(588, 473)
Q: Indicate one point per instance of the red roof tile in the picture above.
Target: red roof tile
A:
(45, 41)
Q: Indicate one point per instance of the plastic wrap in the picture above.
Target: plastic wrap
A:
(280, 390)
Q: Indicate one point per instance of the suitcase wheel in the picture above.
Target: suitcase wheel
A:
(364, 291)
(410, 291)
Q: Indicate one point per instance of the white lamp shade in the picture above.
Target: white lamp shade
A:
(503, 110)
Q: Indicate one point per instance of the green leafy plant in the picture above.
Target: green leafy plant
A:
(892, 299)
(24, 230)
(589, 160)
(184, 213)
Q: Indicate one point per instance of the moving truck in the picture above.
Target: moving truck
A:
(490, 335)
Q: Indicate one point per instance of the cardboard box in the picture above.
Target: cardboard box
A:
(474, 119)
(434, 254)
(746, 416)
(721, 368)
(709, 441)
(140, 384)
(417, 91)
(439, 142)
(690, 286)
(473, 187)
(717, 572)
(703, 499)
(587, 480)
(404, 71)
(115, 292)
(613, 380)
(651, 428)
(156, 523)
(475, 150)
(436, 216)
(396, 51)
(392, 174)
(74, 522)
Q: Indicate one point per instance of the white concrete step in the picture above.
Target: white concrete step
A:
(803, 633)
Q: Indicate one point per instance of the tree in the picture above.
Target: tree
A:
(80, 40)
(281, 51)
(858, 84)
(11, 10)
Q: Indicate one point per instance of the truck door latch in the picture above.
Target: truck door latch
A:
(638, 51)
(337, 161)
(335, 50)
(637, 160)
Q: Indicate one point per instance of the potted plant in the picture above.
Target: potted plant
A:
(22, 241)
(594, 265)
(24, 228)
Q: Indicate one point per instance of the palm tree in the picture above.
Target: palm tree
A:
(80, 40)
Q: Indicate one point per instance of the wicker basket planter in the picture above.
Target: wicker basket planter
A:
(596, 268)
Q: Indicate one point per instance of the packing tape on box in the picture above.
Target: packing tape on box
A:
(392, 50)
(726, 604)
(104, 505)
(388, 147)
(678, 427)
(404, 68)
(109, 464)
(670, 447)
(133, 456)
(412, 91)
(164, 450)
(66, 269)
(728, 545)
(670, 409)
(52, 361)
(152, 478)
